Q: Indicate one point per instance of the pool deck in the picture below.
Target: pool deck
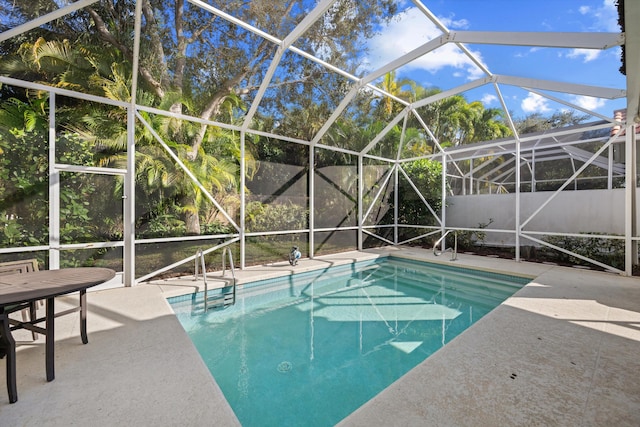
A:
(563, 351)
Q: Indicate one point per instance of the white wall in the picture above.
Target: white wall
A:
(569, 212)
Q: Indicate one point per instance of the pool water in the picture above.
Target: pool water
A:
(309, 349)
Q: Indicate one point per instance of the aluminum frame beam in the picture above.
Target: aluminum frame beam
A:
(41, 20)
(574, 40)
(562, 87)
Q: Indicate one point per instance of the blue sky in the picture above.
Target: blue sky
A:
(448, 67)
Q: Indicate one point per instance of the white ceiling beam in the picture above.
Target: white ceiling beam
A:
(336, 113)
(541, 39)
(451, 92)
(234, 20)
(266, 81)
(307, 22)
(271, 38)
(574, 106)
(63, 92)
(323, 63)
(474, 59)
(476, 150)
(495, 168)
(406, 58)
(433, 18)
(384, 132)
(345, 102)
(275, 62)
(44, 19)
(562, 87)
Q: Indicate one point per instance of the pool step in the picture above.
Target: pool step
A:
(223, 300)
(214, 301)
(486, 293)
(226, 298)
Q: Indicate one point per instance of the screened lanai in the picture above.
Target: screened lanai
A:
(134, 134)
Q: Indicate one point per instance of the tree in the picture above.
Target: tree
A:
(390, 84)
(182, 41)
(537, 122)
(486, 124)
(24, 177)
(195, 63)
(426, 175)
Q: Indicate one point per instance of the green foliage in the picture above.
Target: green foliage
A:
(536, 122)
(217, 227)
(205, 71)
(23, 172)
(607, 251)
(166, 225)
(426, 175)
(471, 239)
(24, 168)
(275, 217)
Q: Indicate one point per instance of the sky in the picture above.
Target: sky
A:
(449, 67)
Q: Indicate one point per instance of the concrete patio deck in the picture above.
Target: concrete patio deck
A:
(562, 351)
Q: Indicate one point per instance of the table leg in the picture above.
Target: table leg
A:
(9, 348)
(32, 313)
(50, 339)
(83, 316)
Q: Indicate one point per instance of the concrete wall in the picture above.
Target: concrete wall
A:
(569, 212)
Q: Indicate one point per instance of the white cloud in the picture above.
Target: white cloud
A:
(584, 9)
(451, 23)
(586, 54)
(588, 102)
(605, 17)
(489, 98)
(412, 29)
(535, 103)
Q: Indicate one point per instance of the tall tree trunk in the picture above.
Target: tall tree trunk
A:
(191, 216)
(192, 222)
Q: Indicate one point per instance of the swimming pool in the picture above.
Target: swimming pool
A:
(311, 348)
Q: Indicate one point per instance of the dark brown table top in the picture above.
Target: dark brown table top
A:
(33, 286)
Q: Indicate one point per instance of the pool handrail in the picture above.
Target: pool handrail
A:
(227, 250)
(454, 251)
(200, 257)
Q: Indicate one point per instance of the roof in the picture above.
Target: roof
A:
(493, 76)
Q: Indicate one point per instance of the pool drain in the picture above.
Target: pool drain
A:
(284, 367)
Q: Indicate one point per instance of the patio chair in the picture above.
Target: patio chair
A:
(21, 267)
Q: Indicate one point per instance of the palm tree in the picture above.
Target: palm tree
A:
(95, 70)
(396, 88)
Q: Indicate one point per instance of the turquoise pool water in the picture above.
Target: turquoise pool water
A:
(311, 348)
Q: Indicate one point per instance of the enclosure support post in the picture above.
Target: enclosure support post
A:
(443, 209)
(610, 168)
(360, 193)
(533, 171)
(518, 226)
(470, 177)
(312, 199)
(630, 229)
(242, 200)
(54, 190)
(129, 190)
(395, 204)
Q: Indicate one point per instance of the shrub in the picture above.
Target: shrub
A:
(606, 251)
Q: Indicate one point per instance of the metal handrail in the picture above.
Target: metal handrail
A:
(454, 251)
(200, 257)
(225, 250)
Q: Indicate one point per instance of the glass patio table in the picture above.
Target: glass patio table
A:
(20, 291)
